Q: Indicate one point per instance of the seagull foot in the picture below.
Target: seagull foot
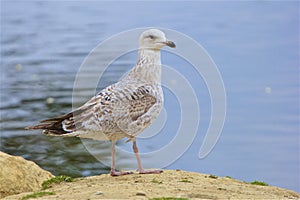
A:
(115, 173)
(155, 171)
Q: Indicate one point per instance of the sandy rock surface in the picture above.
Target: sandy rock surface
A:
(18, 175)
(171, 183)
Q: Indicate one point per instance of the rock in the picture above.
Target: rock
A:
(126, 187)
(98, 193)
(140, 193)
(18, 175)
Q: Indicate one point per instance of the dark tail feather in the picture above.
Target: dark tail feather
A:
(52, 126)
(59, 118)
(39, 126)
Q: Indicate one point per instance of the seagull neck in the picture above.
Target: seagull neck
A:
(148, 56)
(148, 67)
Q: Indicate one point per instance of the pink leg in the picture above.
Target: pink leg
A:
(140, 167)
(113, 172)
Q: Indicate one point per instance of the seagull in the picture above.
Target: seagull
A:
(123, 109)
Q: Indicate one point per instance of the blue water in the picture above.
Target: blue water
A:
(254, 44)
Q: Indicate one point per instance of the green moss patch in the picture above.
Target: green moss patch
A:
(259, 183)
(185, 181)
(37, 194)
(55, 180)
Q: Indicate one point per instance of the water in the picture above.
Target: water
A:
(254, 44)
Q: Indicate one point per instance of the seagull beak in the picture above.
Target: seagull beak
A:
(170, 44)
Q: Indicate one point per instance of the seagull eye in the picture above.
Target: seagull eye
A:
(151, 37)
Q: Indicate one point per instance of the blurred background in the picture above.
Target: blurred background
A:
(255, 45)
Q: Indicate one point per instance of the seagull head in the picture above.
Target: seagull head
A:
(154, 39)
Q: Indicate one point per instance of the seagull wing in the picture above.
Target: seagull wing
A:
(139, 109)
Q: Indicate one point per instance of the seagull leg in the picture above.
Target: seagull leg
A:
(113, 172)
(140, 167)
